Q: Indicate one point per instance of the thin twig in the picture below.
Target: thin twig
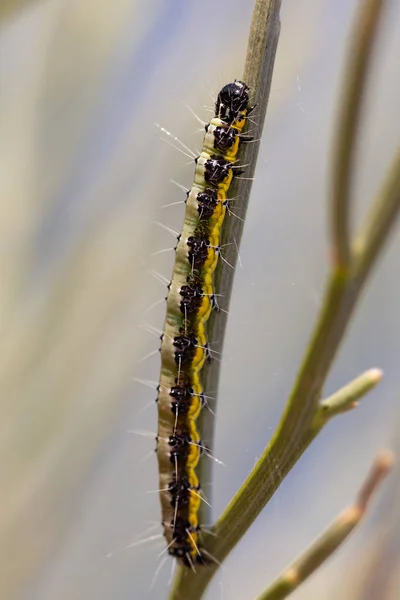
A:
(325, 545)
(374, 572)
(358, 62)
(346, 398)
(381, 218)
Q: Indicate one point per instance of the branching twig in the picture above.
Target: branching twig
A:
(333, 537)
(305, 414)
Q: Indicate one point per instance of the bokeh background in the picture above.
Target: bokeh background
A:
(83, 176)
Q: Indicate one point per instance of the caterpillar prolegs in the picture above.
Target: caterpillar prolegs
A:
(184, 341)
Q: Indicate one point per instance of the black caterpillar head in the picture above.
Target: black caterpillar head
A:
(231, 101)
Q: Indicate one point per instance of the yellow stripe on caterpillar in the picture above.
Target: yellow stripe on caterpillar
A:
(184, 339)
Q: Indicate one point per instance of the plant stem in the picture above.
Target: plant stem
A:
(358, 61)
(304, 415)
(325, 545)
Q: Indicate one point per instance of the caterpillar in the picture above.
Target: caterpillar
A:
(190, 300)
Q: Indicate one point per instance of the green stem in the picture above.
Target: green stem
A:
(379, 222)
(346, 398)
(359, 56)
(325, 545)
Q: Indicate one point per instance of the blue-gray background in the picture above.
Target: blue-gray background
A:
(83, 176)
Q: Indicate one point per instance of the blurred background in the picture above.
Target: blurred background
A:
(83, 176)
